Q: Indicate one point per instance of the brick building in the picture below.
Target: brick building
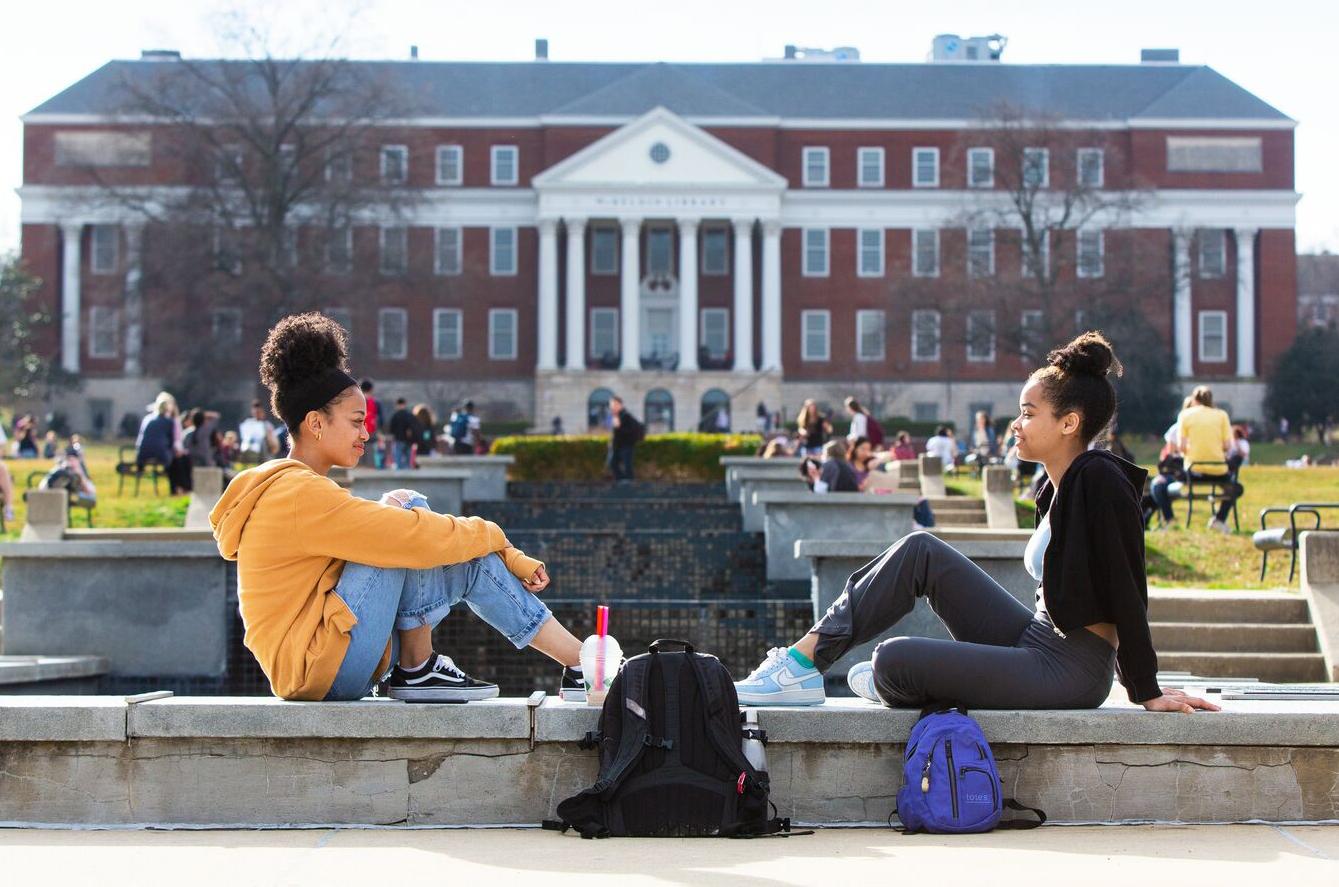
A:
(696, 235)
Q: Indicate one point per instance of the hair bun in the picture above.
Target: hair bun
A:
(1089, 354)
(301, 347)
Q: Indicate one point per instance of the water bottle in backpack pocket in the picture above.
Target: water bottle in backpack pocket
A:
(950, 782)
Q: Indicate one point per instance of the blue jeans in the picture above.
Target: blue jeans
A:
(401, 450)
(1161, 497)
(387, 600)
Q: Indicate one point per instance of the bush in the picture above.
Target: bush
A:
(663, 457)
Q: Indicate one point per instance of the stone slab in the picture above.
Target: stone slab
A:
(998, 491)
(444, 488)
(47, 517)
(488, 474)
(790, 517)
(932, 476)
(35, 669)
(739, 467)
(1320, 586)
(62, 719)
(753, 513)
(249, 717)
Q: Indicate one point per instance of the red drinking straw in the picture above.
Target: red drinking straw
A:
(601, 631)
(602, 621)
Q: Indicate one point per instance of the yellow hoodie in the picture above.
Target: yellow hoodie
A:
(291, 531)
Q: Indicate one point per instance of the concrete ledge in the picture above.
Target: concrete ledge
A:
(488, 474)
(1320, 585)
(791, 516)
(739, 467)
(443, 487)
(40, 669)
(60, 719)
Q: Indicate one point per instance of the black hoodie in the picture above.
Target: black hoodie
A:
(1093, 569)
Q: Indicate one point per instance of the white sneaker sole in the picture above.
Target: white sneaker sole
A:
(782, 697)
(442, 694)
(863, 686)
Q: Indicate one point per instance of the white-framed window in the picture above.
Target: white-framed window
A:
(603, 332)
(446, 251)
(659, 251)
(104, 331)
(392, 333)
(341, 316)
(339, 250)
(338, 165)
(225, 326)
(816, 335)
(925, 252)
(869, 255)
(394, 164)
(288, 158)
(1213, 336)
(980, 336)
(227, 251)
(505, 165)
(1090, 245)
(1032, 265)
(815, 173)
(1090, 164)
(1213, 252)
(869, 167)
(815, 260)
(1036, 170)
(229, 163)
(980, 167)
(446, 333)
(1080, 321)
(715, 332)
(1029, 334)
(502, 251)
(715, 250)
(870, 335)
(105, 245)
(981, 252)
(1214, 154)
(925, 167)
(925, 335)
(925, 411)
(450, 165)
(393, 243)
(502, 334)
(603, 250)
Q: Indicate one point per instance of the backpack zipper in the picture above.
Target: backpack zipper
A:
(994, 786)
(925, 771)
(952, 776)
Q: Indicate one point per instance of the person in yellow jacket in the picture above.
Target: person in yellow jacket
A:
(333, 589)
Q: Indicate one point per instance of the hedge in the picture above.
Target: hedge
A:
(662, 457)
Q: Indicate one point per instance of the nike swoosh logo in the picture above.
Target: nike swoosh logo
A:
(786, 679)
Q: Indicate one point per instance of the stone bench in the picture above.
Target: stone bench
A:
(1320, 586)
(789, 517)
(51, 674)
(831, 563)
(443, 487)
(779, 468)
(488, 474)
(258, 762)
(750, 479)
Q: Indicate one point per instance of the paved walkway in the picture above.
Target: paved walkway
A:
(1147, 855)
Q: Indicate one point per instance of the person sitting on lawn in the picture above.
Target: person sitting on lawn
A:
(334, 589)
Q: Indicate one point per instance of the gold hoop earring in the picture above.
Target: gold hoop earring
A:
(318, 435)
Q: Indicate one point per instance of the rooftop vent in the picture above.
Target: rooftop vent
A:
(952, 48)
(810, 54)
(1160, 56)
(413, 52)
(541, 50)
(159, 55)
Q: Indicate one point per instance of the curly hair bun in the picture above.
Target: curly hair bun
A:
(1089, 354)
(300, 347)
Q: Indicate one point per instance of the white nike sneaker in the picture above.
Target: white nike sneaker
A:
(780, 680)
(861, 681)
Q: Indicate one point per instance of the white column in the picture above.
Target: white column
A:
(69, 297)
(688, 295)
(576, 294)
(1246, 302)
(771, 295)
(134, 299)
(630, 296)
(548, 294)
(1182, 327)
(743, 296)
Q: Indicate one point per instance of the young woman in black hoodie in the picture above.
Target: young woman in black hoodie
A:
(1087, 555)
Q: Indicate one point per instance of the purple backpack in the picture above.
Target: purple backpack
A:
(950, 782)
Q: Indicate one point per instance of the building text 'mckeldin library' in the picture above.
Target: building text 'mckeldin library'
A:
(697, 235)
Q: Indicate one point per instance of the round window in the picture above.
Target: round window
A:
(660, 152)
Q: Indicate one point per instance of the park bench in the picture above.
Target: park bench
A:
(35, 479)
(1212, 482)
(1267, 539)
(129, 466)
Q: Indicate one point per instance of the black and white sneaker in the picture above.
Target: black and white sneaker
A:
(573, 686)
(439, 680)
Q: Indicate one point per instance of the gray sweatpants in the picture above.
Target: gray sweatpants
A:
(1003, 655)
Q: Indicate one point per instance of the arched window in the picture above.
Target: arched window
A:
(597, 408)
(715, 411)
(659, 410)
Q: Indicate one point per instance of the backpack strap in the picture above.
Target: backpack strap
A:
(1021, 824)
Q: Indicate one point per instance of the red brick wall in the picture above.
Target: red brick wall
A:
(1276, 295)
(1149, 157)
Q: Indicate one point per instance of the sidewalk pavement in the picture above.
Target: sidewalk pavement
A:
(1184, 856)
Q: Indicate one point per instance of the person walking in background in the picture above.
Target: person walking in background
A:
(1205, 435)
(403, 434)
(1239, 453)
(463, 429)
(373, 454)
(944, 446)
(812, 428)
(200, 439)
(426, 442)
(859, 419)
(256, 438)
(983, 438)
(625, 433)
(764, 420)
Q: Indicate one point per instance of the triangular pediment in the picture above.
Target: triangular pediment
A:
(659, 149)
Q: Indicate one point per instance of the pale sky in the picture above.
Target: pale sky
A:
(1283, 51)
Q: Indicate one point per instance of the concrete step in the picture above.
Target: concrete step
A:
(1234, 637)
(1273, 667)
(610, 514)
(960, 519)
(1174, 605)
(557, 490)
(956, 503)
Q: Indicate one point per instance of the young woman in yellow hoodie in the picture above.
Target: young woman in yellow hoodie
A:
(334, 588)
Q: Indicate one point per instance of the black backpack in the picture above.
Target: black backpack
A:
(671, 760)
